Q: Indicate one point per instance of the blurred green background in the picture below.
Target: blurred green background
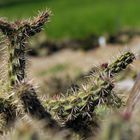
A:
(78, 18)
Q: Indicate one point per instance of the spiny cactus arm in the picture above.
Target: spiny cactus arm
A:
(17, 46)
(120, 64)
(74, 110)
(17, 34)
(65, 107)
(16, 50)
(113, 68)
(79, 110)
(83, 103)
(33, 106)
(33, 27)
(6, 27)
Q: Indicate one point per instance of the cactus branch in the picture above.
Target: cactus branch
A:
(17, 34)
(31, 28)
(82, 107)
(120, 64)
(16, 62)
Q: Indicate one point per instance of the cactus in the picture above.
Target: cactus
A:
(79, 111)
(92, 95)
(121, 63)
(76, 111)
(17, 35)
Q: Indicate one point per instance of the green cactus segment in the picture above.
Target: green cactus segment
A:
(82, 103)
(16, 62)
(85, 102)
(31, 28)
(116, 127)
(121, 63)
(33, 106)
(17, 34)
(80, 111)
(7, 113)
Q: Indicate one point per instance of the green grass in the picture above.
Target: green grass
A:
(79, 18)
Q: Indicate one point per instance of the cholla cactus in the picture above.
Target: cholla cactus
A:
(33, 106)
(17, 35)
(78, 112)
(124, 125)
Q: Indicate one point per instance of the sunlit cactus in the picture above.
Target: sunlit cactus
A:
(79, 112)
(121, 63)
(17, 34)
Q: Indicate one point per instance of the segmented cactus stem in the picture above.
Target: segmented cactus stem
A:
(69, 107)
(80, 110)
(120, 64)
(16, 62)
(17, 34)
(35, 26)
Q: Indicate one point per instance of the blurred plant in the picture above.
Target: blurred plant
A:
(124, 125)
